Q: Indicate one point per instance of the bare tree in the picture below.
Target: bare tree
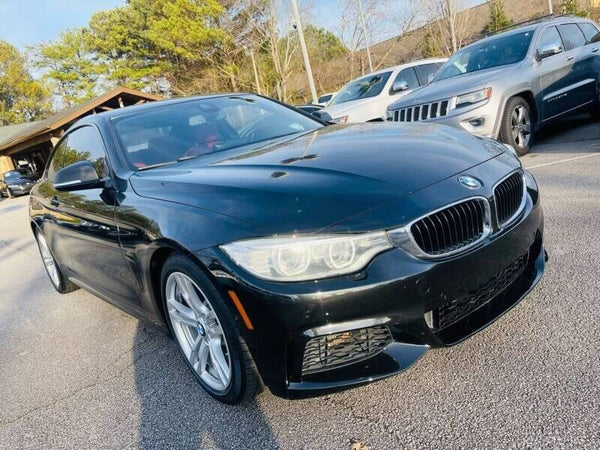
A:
(448, 23)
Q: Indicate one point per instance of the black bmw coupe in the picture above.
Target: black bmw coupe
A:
(283, 250)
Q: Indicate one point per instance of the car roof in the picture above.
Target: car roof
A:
(127, 110)
(531, 27)
(417, 62)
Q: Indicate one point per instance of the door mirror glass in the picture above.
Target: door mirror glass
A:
(549, 50)
(399, 86)
(77, 176)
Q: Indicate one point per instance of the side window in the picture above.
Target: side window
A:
(572, 36)
(425, 70)
(590, 31)
(409, 76)
(549, 37)
(80, 145)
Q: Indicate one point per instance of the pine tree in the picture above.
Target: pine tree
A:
(498, 18)
(572, 7)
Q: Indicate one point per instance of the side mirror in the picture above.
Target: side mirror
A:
(430, 77)
(399, 86)
(549, 50)
(77, 176)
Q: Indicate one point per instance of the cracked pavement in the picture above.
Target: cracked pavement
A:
(76, 372)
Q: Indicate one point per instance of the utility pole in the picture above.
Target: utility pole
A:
(550, 7)
(362, 19)
(256, 80)
(311, 81)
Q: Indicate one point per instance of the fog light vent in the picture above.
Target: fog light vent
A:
(335, 350)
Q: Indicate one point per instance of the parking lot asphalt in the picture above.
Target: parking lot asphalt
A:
(76, 372)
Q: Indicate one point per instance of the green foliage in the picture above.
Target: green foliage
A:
(431, 48)
(22, 99)
(69, 67)
(322, 44)
(498, 18)
(572, 7)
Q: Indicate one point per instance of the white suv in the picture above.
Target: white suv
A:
(366, 98)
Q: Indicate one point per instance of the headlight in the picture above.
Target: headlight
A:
(473, 97)
(301, 258)
(14, 186)
(342, 119)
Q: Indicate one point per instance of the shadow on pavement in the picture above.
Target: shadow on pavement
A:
(174, 410)
(580, 127)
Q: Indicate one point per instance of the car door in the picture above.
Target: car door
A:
(581, 80)
(82, 231)
(552, 74)
(591, 52)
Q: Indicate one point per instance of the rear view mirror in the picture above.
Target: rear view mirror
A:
(77, 176)
(549, 50)
(399, 86)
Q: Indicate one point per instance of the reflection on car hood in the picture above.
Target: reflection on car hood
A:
(320, 178)
(450, 87)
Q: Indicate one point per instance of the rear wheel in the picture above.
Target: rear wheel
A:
(517, 125)
(59, 281)
(206, 333)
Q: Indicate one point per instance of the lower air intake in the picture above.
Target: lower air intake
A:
(335, 350)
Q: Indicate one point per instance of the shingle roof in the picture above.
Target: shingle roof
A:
(15, 134)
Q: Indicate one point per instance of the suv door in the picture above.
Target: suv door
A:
(552, 74)
(582, 79)
(592, 54)
(80, 228)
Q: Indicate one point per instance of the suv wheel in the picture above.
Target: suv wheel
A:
(206, 333)
(517, 127)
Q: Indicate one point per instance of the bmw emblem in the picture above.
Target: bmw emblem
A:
(469, 182)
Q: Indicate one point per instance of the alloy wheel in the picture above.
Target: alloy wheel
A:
(521, 126)
(198, 331)
(48, 260)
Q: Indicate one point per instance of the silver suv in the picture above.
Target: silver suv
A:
(507, 86)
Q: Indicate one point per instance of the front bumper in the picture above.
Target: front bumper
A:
(21, 189)
(477, 119)
(395, 290)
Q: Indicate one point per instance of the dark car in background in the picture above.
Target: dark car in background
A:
(281, 249)
(16, 182)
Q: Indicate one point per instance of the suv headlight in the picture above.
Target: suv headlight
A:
(473, 97)
(302, 258)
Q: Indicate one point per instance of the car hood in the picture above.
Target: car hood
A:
(315, 180)
(450, 87)
(343, 109)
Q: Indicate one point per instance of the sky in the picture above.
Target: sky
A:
(28, 22)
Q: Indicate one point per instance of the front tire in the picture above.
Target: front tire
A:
(206, 332)
(517, 126)
(59, 281)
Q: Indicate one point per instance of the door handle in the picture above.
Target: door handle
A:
(595, 50)
(570, 58)
(54, 201)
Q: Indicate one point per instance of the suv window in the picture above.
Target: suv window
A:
(409, 76)
(590, 31)
(425, 70)
(80, 145)
(550, 37)
(572, 36)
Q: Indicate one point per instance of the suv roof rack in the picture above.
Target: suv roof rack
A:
(527, 22)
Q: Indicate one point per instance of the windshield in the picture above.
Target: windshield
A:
(365, 87)
(15, 174)
(200, 127)
(493, 53)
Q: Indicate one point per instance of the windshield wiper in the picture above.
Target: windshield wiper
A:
(154, 166)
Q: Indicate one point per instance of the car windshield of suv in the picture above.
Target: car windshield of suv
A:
(184, 130)
(493, 53)
(365, 87)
